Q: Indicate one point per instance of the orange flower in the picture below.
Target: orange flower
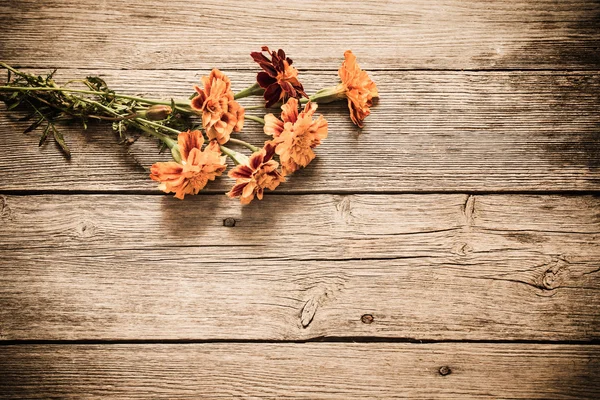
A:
(278, 78)
(358, 87)
(258, 174)
(296, 135)
(196, 169)
(221, 114)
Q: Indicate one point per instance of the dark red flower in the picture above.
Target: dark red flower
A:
(278, 78)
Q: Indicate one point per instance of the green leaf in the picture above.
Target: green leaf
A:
(49, 77)
(60, 140)
(44, 135)
(98, 83)
(13, 106)
(34, 125)
(27, 117)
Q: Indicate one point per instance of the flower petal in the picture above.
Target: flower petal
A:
(189, 140)
(273, 125)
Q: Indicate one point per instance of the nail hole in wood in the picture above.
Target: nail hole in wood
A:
(445, 370)
(229, 222)
(367, 319)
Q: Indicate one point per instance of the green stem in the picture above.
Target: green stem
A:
(243, 143)
(159, 126)
(107, 109)
(164, 138)
(253, 118)
(139, 123)
(11, 69)
(253, 90)
(238, 158)
(83, 91)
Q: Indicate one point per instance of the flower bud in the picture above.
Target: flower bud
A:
(157, 112)
(176, 154)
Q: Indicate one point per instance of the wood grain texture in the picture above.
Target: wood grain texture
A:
(300, 267)
(447, 34)
(431, 131)
(311, 371)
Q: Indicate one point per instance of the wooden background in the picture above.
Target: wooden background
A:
(449, 249)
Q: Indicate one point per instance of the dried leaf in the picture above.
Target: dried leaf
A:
(27, 117)
(60, 140)
(13, 105)
(44, 135)
(34, 125)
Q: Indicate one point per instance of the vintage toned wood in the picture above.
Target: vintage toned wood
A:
(448, 34)
(431, 131)
(311, 371)
(425, 267)
(108, 289)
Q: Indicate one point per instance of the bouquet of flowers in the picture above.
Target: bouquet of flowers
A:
(198, 131)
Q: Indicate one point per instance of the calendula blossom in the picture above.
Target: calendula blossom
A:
(359, 88)
(295, 135)
(356, 87)
(278, 78)
(221, 114)
(258, 174)
(196, 168)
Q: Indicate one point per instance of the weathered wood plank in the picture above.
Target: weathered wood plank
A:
(448, 34)
(311, 370)
(431, 131)
(299, 267)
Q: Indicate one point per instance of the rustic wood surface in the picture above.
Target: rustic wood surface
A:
(404, 34)
(450, 249)
(432, 131)
(309, 370)
(423, 266)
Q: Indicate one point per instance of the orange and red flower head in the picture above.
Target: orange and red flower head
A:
(278, 78)
(295, 135)
(258, 174)
(221, 114)
(197, 166)
(358, 88)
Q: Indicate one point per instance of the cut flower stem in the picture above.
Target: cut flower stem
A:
(256, 119)
(84, 91)
(243, 143)
(254, 90)
(238, 158)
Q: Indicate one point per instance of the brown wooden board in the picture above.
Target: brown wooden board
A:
(431, 131)
(431, 267)
(448, 34)
(310, 371)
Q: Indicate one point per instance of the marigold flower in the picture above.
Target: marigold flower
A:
(295, 135)
(196, 169)
(221, 114)
(358, 88)
(258, 174)
(278, 78)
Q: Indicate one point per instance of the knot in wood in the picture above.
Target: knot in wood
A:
(367, 319)
(229, 222)
(85, 229)
(445, 370)
(462, 249)
(549, 279)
